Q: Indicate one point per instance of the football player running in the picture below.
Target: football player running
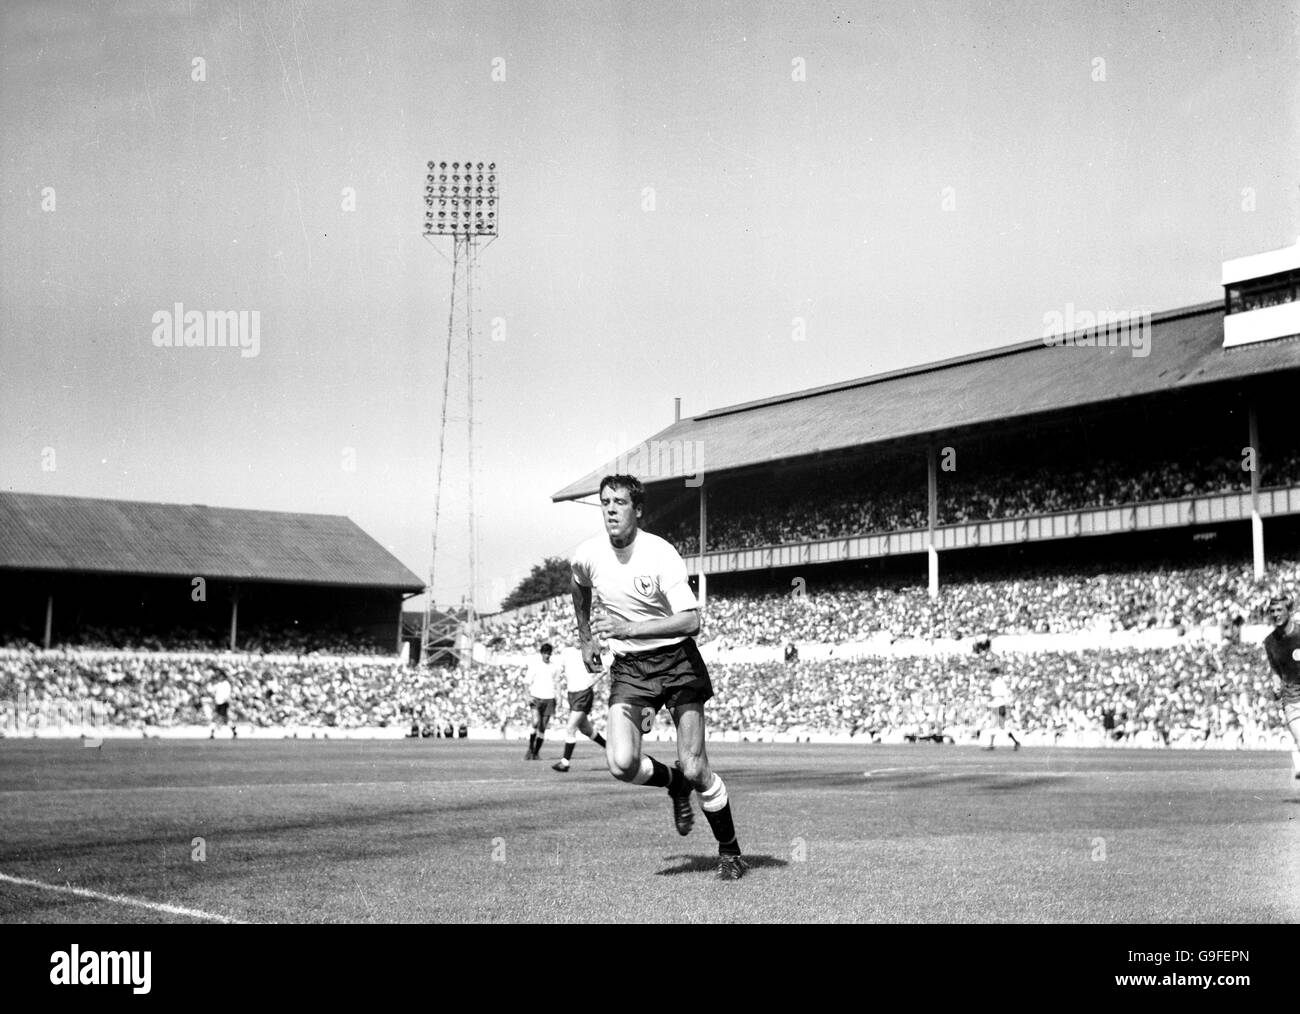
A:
(581, 698)
(1282, 646)
(649, 617)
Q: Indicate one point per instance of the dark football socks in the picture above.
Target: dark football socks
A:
(723, 830)
(717, 809)
(568, 749)
(599, 740)
(652, 772)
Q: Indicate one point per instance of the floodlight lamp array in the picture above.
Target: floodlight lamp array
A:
(460, 199)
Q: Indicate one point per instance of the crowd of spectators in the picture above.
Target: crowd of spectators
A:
(1183, 696)
(1015, 489)
(1044, 601)
(526, 631)
(841, 501)
(140, 690)
(1027, 603)
(273, 640)
(146, 689)
(836, 500)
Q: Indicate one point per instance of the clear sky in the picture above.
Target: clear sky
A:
(680, 182)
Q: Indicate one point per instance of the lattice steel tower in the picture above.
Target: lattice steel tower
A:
(460, 201)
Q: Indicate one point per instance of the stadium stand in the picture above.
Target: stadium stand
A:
(744, 515)
(1026, 447)
(103, 573)
(1043, 440)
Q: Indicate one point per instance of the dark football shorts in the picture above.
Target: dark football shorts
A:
(662, 678)
(583, 700)
(223, 711)
(544, 707)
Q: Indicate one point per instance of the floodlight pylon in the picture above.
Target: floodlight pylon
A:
(465, 210)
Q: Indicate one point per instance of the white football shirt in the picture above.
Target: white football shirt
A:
(643, 581)
(221, 692)
(579, 678)
(541, 677)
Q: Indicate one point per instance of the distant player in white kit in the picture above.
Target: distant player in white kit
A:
(1000, 703)
(221, 693)
(543, 685)
(581, 699)
(650, 618)
(1282, 646)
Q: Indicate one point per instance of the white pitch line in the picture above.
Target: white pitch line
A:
(119, 899)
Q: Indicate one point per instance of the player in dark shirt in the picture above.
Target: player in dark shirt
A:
(1282, 646)
(1108, 725)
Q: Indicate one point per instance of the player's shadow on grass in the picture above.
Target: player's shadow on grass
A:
(709, 864)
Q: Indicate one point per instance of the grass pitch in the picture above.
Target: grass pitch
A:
(459, 831)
